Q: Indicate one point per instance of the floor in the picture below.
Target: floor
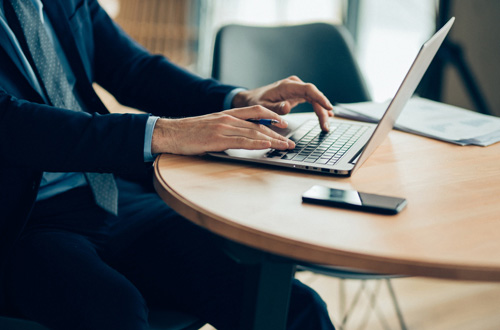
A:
(425, 303)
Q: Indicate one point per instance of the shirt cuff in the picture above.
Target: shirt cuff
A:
(228, 100)
(148, 138)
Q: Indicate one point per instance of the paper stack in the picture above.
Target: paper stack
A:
(432, 119)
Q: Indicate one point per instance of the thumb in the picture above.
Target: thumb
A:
(281, 108)
(284, 107)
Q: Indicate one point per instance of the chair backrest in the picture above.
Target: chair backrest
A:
(320, 53)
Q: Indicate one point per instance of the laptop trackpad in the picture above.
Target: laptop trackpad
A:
(242, 153)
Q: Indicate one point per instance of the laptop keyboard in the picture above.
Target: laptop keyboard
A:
(312, 145)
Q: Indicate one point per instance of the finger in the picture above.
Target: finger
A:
(294, 78)
(307, 91)
(278, 107)
(263, 133)
(257, 112)
(241, 142)
(269, 132)
(228, 125)
(284, 107)
(232, 126)
(323, 116)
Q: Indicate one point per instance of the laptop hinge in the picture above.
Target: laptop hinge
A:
(354, 159)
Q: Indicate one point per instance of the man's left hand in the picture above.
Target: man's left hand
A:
(285, 94)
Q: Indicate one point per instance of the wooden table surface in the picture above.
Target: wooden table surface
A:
(449, 229)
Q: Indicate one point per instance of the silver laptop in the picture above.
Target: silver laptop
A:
(348, 144)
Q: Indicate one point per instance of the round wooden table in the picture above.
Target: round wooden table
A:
(450, 228)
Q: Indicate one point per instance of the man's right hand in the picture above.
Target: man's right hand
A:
(219, 131)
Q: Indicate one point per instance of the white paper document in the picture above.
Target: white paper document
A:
(432, 119)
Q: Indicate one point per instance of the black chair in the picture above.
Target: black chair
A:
(158, 320)
(320, 53)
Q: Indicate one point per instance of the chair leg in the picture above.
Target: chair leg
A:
(372, 300)
(371, 295)
(342, 297)
(396, 304)
(354, 301)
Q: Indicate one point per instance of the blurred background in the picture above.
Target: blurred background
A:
(387, 35)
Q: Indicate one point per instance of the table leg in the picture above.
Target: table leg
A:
(267, 287)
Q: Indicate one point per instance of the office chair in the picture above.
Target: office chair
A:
(319, 53)
(158, 320)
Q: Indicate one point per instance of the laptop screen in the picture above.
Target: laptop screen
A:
(405, 91)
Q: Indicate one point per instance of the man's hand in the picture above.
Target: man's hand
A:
(285, 94)
(219, 131)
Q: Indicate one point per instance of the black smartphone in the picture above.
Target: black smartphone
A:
(355, 200)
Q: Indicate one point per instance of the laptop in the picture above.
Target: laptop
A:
(348, 144)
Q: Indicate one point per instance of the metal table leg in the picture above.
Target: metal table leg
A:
(267, 287)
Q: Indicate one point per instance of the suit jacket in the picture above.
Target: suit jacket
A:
(35, 137)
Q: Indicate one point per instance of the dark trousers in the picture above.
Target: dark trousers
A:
(77, 267)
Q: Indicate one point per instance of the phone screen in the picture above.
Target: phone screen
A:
(353, 199)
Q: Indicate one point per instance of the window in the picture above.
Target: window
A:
(390, 32)
(390, 35)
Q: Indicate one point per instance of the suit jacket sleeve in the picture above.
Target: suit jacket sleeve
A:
(44, 138)
(147, 82)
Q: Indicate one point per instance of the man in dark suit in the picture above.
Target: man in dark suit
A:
(81, 248)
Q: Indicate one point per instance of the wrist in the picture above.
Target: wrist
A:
(240, 100)
(163, 140)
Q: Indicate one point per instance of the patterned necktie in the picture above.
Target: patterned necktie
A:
(58, 90)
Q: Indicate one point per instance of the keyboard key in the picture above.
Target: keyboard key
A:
(300, 157)
(289, 155)
(314, 145)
